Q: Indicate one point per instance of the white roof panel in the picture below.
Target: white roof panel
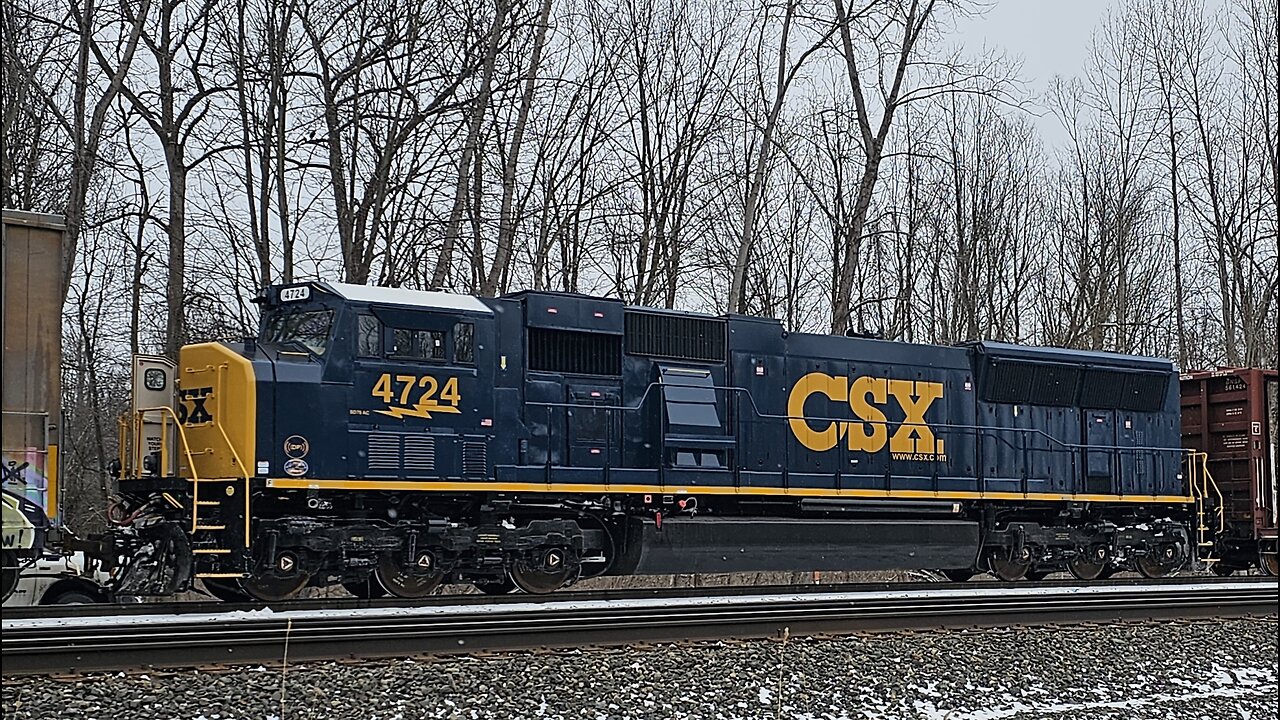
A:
(411, 298)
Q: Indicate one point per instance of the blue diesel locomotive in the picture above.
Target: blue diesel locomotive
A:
(390, 439)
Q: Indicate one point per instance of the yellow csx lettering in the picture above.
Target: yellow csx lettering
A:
(426, 401)
(866, 396)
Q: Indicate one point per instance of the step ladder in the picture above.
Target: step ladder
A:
(219, 526)
(1211, 521)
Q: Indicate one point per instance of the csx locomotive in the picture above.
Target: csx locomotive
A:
(390, 439)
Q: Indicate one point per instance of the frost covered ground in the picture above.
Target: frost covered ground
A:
(1179, 671)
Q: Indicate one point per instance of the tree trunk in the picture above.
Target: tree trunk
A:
(506, 222)
(175, 287)
(453, 230)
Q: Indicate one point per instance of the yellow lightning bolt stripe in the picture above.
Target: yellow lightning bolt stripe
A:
(421, 410)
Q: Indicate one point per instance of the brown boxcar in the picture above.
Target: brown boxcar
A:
(1232, 416)
(31, 378)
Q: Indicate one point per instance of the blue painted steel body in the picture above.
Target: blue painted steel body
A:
(567, 389)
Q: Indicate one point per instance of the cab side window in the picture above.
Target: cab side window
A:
(401, 343)
(368, 336)
(417, 344)
(464, 343)
(430, 344)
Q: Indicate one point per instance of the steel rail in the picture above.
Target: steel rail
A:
(59, 646)
(351, 603)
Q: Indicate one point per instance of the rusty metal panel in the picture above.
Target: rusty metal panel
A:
(30, 384)
(1231, 414)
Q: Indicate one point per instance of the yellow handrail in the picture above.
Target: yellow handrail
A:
(1209, 482)
(168, 412)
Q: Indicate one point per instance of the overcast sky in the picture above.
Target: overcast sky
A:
(1050, 36)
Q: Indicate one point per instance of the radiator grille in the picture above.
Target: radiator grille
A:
(580, 353)
(675, 336)
(474, 458)
(384, 451)
(419, 454)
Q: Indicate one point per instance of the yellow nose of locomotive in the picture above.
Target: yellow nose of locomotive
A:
(217, 406)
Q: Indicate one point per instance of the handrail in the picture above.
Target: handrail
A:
(1209, 482)
(1076, 452)
(886, 423)
(165, 410)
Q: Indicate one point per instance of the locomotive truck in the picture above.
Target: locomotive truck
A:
(390, 439)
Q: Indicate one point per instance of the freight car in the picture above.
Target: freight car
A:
(34, 568)
(531, 440)
(1230, 418)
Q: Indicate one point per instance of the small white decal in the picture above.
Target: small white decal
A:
(296, 446)
(295, 467)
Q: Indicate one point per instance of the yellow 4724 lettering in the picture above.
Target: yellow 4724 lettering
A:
(867, 397)
(416, 395)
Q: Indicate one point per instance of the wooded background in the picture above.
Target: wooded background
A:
(841, 164)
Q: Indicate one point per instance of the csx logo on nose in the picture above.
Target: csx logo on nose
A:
(191, 408)
(866, 396)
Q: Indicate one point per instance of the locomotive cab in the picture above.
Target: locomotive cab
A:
(393, 377)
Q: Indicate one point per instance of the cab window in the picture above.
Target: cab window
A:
(464, 343)
(417, 344)
(368, 336)
(430, 344)
(302, 329)
(401, 343)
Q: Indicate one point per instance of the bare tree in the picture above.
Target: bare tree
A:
(784, 76)
(479, 105)
(897, 33)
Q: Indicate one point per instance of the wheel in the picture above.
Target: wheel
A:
(1268, 563)
(1163, 563)
(282, 581)
(958, 575)
(497, 587)
(272, 587)
(226, 590)
(1091, 564)
(547, 577)
(367, 589)
(73, 597)
(1008, 568)
(415, 581)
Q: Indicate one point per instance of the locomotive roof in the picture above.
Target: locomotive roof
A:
(1069, 356)
(408, 298)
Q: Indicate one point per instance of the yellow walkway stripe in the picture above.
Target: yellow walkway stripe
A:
(594, 489)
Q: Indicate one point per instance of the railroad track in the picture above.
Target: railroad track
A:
(72, 645)
(350, 603)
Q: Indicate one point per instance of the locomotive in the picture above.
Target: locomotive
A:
(391, 439)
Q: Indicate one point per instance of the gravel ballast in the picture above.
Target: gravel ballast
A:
(1204, 669)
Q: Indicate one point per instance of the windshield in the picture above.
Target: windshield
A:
(306, 329)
